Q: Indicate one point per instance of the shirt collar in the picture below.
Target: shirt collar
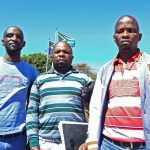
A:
(53, 71)
(136, 58)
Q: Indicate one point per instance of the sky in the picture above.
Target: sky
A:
(90, 22)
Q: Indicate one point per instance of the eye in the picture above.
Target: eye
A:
(130, 30)
(56, 51)
(119, 31)
(19, 37)
(9, 35)
(67, 52)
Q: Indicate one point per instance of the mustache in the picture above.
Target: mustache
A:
(59, 58)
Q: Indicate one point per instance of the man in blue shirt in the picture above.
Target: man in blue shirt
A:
(16, 78)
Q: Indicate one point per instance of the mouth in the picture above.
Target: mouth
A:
(61, 60)
(12, 44)
(125, 42)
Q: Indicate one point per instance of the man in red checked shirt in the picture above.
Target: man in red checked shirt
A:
(120, 103)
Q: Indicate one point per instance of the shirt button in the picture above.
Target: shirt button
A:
(144, 111)
(147, 131)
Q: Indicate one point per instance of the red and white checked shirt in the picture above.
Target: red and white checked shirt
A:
(123, 120)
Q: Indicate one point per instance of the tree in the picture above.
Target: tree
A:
(84, 67)
(38, 60)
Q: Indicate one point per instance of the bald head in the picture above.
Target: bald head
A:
(127, 18)
(13, 27)
(127, 36)
(13, 41)
(64, 44)
(62, 57)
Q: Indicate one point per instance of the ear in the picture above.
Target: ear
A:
(24, 43)
(2, 42)
(114, 38)
(72, 57)
(140, 36)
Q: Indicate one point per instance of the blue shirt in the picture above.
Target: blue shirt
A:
(15, 79)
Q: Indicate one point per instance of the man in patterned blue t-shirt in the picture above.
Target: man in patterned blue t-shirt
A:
(16, 78)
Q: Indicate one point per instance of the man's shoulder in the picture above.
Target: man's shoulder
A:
(44, 75)
(145, 55)
(107, 65)
(29, 69)
(27, 64)
(106, 69)
(81, 74)
(1, 59)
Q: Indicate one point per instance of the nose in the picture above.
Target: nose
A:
(125, 33)
(14, 37)
(61, 54)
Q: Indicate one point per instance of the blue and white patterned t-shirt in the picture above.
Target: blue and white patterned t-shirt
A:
(15, 79)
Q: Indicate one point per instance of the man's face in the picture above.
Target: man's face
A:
(127, 34)
(13, 39)
(62, 56)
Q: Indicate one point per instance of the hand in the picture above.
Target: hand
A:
(84, 146)
(35, 148)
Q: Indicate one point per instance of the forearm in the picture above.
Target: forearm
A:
(32, 119)
(35, 148)
(94, 120)
(33, 142)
